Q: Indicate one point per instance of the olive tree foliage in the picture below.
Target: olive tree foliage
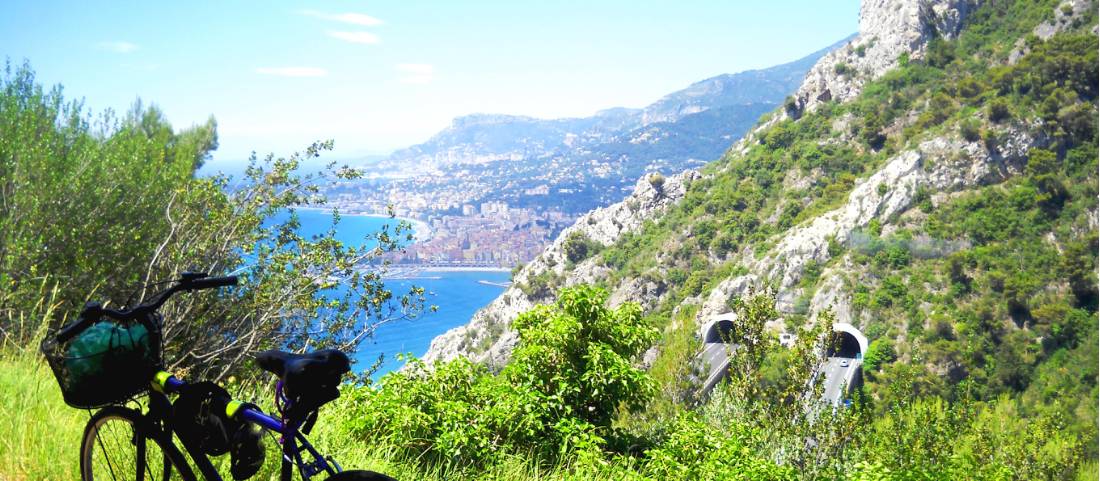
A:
(100, 208)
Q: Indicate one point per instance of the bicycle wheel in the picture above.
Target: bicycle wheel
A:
(116, 447)
(360, 476)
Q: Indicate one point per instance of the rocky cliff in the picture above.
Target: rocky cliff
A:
(487, 338)
(888, 29)
(797, 202)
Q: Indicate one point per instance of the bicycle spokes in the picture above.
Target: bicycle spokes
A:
(117, 451)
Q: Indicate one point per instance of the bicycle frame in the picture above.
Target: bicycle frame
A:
(292, 440)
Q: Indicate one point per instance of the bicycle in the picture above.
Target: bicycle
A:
(204, 418)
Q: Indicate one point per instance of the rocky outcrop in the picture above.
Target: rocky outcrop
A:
(946, 164)
(1064, 16)
(937, 165)
(887, 29)
(488, 339)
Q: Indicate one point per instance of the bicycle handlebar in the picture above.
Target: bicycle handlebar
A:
(213, 282)
(188, 281)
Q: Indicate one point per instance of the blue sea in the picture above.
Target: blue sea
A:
(457, 294)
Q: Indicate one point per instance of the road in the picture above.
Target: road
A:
(715, 361)
(715, 358)
(837, 377)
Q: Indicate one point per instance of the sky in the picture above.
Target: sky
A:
(375, 76)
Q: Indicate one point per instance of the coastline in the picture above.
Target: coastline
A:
(465, 269)
(421, 229)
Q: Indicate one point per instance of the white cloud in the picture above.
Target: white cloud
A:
(352, 18)
(293, 71)
(415, 73)
(355, 37)
(117, 46)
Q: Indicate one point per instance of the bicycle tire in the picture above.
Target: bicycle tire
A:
(119, 454)
(358, 475)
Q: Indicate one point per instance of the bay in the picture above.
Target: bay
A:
(457, 294)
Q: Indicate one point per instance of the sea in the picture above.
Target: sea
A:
(457, 294)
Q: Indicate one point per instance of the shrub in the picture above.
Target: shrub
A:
(657, 181)
(997, 110)
(970, 130)
(570, 372)
(578, 247)
(790, 105)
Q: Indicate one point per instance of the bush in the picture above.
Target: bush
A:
(998, 111)
(578, 247)
(970, 130)
(657, 181)
(96, 206)
(570, 372)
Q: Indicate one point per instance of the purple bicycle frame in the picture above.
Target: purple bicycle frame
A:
(173, 384)
(290, 437)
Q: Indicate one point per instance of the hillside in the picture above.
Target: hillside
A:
(479, 138)
(592, 161)
(933, 182)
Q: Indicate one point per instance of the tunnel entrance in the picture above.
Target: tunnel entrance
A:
(719, 331)
(844, 344)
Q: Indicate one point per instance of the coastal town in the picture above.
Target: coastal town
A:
(485, 235)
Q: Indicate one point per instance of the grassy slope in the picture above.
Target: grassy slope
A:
(40, 436)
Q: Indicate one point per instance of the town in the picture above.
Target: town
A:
(488, 234)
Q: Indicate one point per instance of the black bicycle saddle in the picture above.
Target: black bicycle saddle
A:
(309, 380)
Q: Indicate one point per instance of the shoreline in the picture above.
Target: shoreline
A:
(462, 269)
(421, 230)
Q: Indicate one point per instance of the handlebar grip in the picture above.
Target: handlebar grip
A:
(92, 310)
(212, 282)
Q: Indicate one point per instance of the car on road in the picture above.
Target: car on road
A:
(844, 363)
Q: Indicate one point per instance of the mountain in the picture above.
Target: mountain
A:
(594, 160)
(769, 85)
(479, 138)
(933, 183)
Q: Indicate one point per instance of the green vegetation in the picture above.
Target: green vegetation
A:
(578, 247)
(92, 207)
(981, 304)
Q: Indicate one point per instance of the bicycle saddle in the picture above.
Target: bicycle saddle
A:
(309, 380)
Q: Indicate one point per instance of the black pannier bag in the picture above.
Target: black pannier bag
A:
(200, 420)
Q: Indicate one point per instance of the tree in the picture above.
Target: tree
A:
(91, 209)
(578, 355)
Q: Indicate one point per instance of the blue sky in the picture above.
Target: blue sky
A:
(375, 76)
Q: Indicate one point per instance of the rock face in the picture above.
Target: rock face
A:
(1064, 16)
(937, 165)
(488, 339)
(946, 164)
(887, 29)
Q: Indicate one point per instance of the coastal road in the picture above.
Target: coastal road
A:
(715, 362)
(838, 377)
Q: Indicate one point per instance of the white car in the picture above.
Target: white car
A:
(844, 363)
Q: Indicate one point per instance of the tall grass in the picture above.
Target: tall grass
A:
(39, 434)
(40, 437)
